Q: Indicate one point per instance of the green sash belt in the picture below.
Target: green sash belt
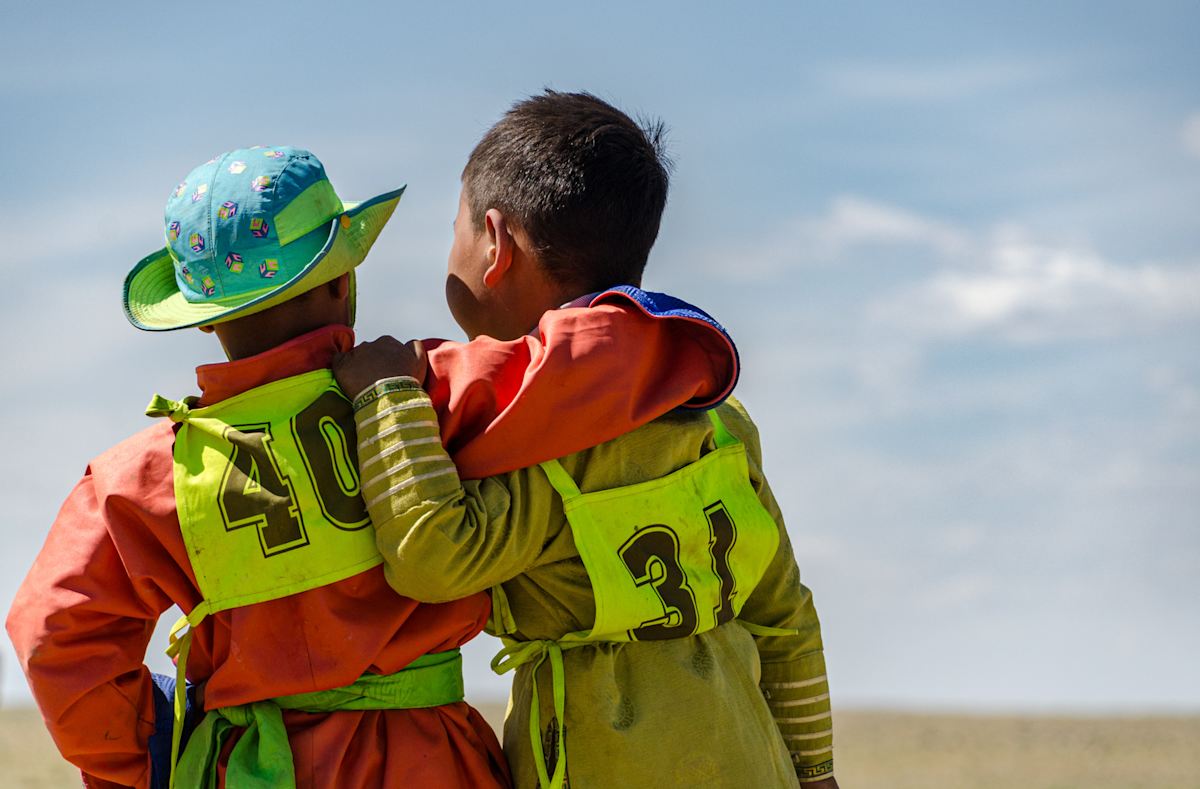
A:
(263, 756)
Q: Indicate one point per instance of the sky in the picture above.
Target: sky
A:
(958, 247)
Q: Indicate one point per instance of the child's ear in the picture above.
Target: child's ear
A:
(500, 247)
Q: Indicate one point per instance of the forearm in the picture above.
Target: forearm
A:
(820, 783)
(106, 734)
(80, 628)
(794, 680)
(441, 539)
(86, 676)
(797, 693)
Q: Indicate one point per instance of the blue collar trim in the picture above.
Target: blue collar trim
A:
(662, 305)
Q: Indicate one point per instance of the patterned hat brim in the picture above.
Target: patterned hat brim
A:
(153, 301)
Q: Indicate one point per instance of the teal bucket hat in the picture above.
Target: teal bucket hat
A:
(246, 231)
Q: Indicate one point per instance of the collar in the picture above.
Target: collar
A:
(308, 352)
(582, 301)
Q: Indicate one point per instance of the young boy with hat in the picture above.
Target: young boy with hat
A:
(645, 588)
(244, 509)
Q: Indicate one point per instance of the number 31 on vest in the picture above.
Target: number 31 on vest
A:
(674, 556)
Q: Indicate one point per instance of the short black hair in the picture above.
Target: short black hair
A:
(581, 178)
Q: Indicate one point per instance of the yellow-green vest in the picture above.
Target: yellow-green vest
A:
(267, 491)
(666, 558)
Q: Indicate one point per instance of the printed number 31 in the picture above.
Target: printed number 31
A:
(652, 557)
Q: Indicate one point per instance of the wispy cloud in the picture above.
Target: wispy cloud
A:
(908, 82)
(953, 280)
(850, 224)
(1022, 290)
(853, 221)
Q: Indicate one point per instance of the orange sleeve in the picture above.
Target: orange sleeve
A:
(589, 375)
(80, 628)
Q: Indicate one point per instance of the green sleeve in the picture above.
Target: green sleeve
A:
(793, 681)
(441, 538)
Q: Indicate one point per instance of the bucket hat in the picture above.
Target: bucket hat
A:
(245, 231)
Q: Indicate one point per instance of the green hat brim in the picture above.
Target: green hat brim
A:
(153, 301)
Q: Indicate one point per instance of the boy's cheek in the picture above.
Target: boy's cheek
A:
(463, 304)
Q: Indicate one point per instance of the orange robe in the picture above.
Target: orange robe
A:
(115, 560)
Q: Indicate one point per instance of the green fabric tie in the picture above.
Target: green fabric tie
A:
(176, 410)
(519, 653)
(262, 757)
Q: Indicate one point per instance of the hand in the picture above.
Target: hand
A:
(372, 361)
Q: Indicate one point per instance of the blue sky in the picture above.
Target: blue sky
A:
(958, 247)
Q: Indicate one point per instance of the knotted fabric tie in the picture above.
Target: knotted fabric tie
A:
(176, 410)
(262, 756)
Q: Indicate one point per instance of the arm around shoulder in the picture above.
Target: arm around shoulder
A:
(441, 538)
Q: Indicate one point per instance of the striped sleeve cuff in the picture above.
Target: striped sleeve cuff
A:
(400, 456)
(798, 694)
(400, 383)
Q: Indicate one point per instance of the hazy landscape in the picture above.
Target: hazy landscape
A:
(888, 750)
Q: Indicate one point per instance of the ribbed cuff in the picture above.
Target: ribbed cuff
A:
(401, 458)
(400, 383)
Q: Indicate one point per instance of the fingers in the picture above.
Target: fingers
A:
(377, 359)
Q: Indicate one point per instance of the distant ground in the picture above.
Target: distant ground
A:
(902, 751)
(875, 750)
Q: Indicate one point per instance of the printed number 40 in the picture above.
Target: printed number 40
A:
(256, 492)
(652, 556)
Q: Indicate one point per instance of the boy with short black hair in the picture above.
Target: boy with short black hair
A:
(590, 190)
(645, 588)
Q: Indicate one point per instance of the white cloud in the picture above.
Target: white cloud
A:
(1003, 282)
(1191, 134)
(854, 220)
(851, 223)
(1025, 291)
(924, 83)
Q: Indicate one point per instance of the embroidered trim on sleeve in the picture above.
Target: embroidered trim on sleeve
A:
(403, 383)
(809, 773)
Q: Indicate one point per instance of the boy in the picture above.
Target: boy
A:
(617, 605)
(243, 509)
